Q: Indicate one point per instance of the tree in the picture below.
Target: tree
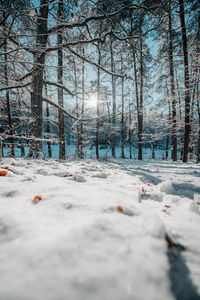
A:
(186, 81)
(35, 150)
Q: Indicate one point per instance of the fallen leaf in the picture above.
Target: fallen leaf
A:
(37, 199)
(3, 172)
(119, 208)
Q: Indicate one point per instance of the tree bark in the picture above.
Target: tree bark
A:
(122, 115)
(47, 121)
(98, 100)
(61, 119)
(10, 123)
(77, 111)
(82, 105)
(172, 85)
(198, 110)
(140, 111)
(113, 142)
(169, 124)
(186, 82)
(136, 88)
(129, 130)
(35, 149)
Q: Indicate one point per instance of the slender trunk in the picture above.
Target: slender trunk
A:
(172, 86)
(48, 131)
(153, 151)
(196, 72)
(61, 119)
(136, 88)
(181, 137)
(98, 99)
(77, 111)
(179, 97)
(198, 110)
(47, 121)
(129, 130)
(35, 149)
(21, 125)
(169, 125)
(82, 105)
(10, 123)
(186, 82)
(1, 148)
(140, 113)
(113, 143)
(122, 116)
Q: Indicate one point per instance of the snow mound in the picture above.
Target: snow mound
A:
(78, 178)
(193, 207)
(196, 198)
(166, 187)
(151, 195)
(122, 210)
(154, 225)
(100, 175)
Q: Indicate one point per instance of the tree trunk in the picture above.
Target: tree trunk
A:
(35, 149)
(113, 142)
(153, 151)
(179, 97)
(122, 116)
(82, 105)
(198, 110)
(140, 112)
(169, 125)
(129, 130)
(47, 121)
(61, 119)
(10, 123)
(77, 111)
(172, 85)
(136, 88)
(98, 100)
(21, 124)
(186, 82)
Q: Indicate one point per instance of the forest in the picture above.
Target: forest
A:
(99, 149)
(100, 78)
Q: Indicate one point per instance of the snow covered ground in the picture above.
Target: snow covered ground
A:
(99, 230)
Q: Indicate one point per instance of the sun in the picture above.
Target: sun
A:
(92, 100)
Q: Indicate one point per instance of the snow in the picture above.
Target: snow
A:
(99, 230)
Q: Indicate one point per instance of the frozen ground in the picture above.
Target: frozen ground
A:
(99, 230)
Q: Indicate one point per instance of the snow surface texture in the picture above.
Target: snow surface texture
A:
(99, 230)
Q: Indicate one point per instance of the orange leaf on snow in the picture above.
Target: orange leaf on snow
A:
(119, 208)
(37, 199)
(3, 172)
